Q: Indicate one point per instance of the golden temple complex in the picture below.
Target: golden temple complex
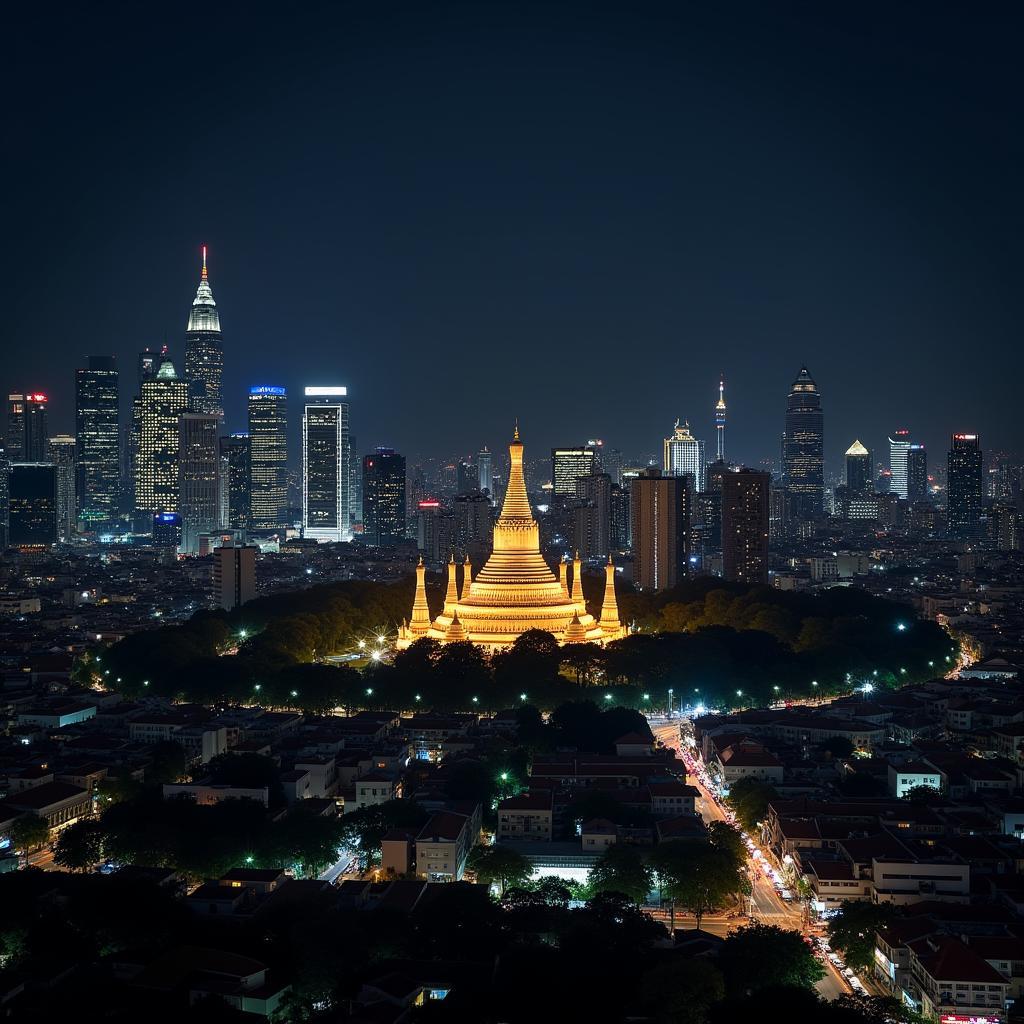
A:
(516, 590)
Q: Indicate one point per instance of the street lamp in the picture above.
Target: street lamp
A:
(607, 696)
(416, 697)
(369, 691)
(375, 655)
(814, 682)
(258, 687)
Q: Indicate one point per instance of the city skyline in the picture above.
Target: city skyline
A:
(715, 216)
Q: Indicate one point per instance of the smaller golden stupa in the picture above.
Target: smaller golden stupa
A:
(516, 590)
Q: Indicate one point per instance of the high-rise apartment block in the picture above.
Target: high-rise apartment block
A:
(569, 464)
(32, 504)
(964, 486)
(326, 472)
(384, 498)
(234, 575)
(660, 507)
(745, 514)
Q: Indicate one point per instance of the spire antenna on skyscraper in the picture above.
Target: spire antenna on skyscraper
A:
(205, 276)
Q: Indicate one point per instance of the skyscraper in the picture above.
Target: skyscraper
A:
(568, 465)
(720, 421)
(235, 449)
(384, 497)
(964, 478)
(803, 451)
(859, 476)
(592, 518)
(204, 351)
(899, 448)
(27, 434)
(484, 466)
(660, 507)
(745, 526)
(164, 398)
(33, 504)
(5, 498)
(683, 454)
(98, 439)
(917, 473)
(60, 450)
(467, 478)
(198, 477)
(268, 457)
(326, 475)
(14, 439)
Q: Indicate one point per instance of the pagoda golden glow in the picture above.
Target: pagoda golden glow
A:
(516, 590)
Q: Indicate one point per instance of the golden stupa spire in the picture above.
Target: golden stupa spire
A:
(451, 595)
(611, 627)
(561, 578)
(577, 580)
(420, 622)
(467, 578)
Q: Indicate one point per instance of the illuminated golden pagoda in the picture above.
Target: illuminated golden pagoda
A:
(516, 590)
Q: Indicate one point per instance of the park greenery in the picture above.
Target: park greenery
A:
(706, 641)
(749, 798)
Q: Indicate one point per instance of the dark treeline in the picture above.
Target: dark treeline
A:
(712, 643)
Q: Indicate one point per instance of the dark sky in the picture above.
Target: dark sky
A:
(573, 213)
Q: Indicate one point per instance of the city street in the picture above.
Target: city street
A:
(766, 904)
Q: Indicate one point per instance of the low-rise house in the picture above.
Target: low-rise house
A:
(442, 847)
(949, 980)
(527, 816)
(377, 788)
(905, 777)
(59, 803)
(598, 834)
(670, 799)
(748, 759)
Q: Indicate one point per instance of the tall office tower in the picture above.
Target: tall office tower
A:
(964, 486)
(467, 478)
(198, 477)
(5, 499)
(745, 526)
(720, 421)
(268, 457)
(474, 525)
(164, 398)
(60, 450)
(234, 575)
(568, 465)
(484, 465)
(14, 439)
(97, 434)
(428, 515)
(660, 507)
(778, 514)
(326, 508)
(621, 525)
(149, 363)
(36, 433)
(683, 454)
(204, 351)
(167, 530)
(355, 482)
(611, 463)
(592, 518)
(803, 451)
(235, 449)
(899, 449)
(859, 474)
(32, 504)
(917, 473)
(384, 497)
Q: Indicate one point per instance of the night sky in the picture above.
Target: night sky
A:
(577, 214)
